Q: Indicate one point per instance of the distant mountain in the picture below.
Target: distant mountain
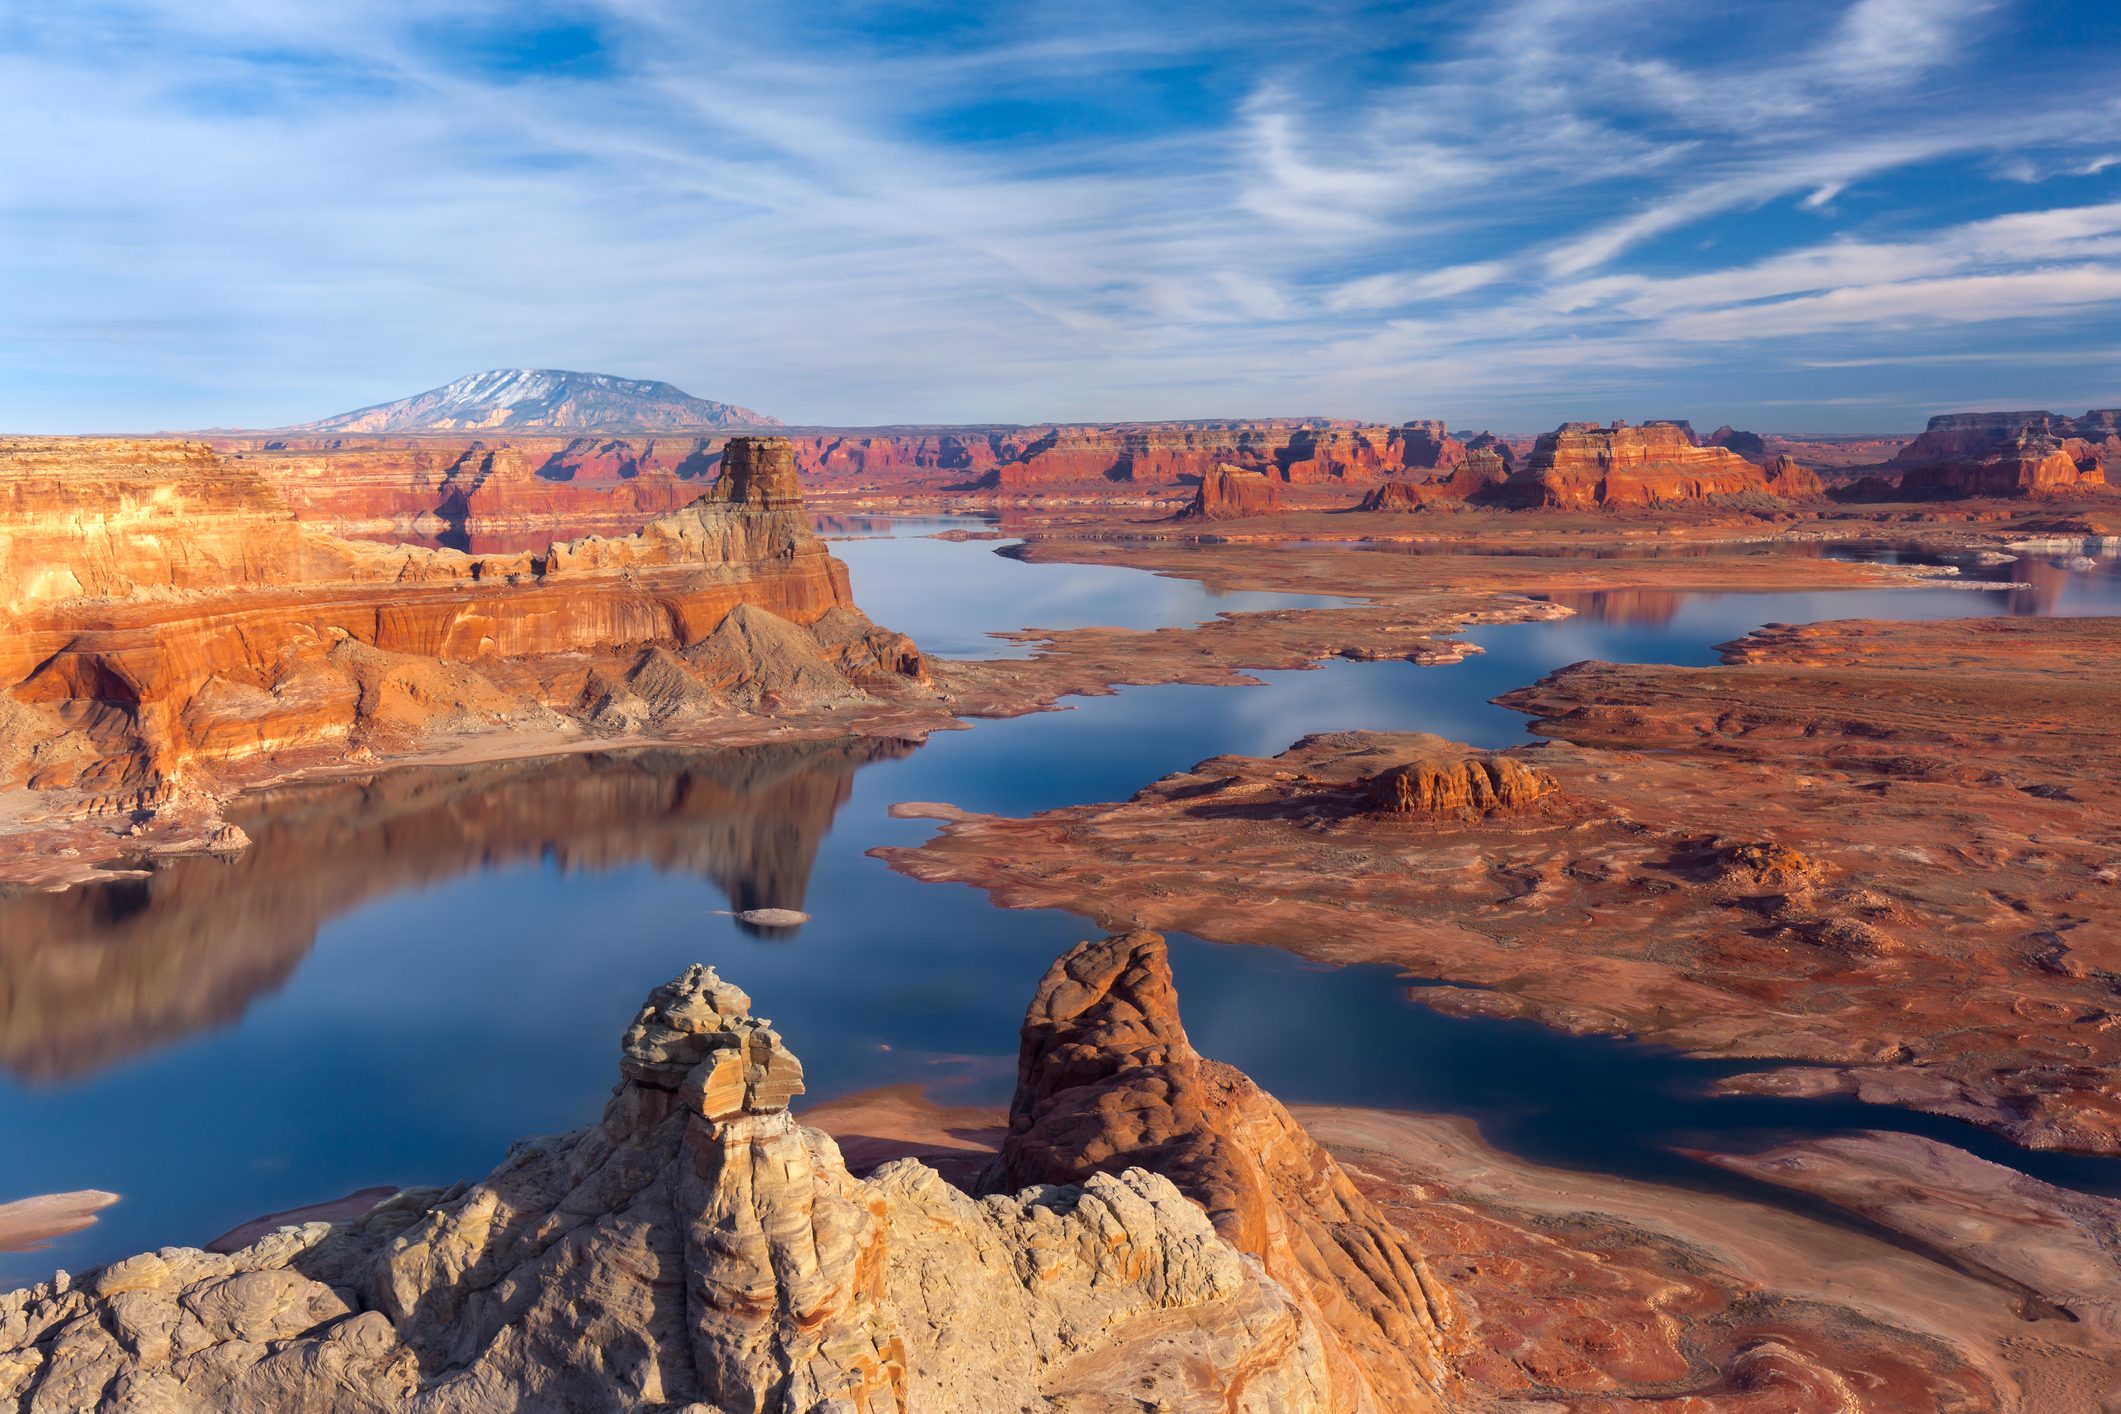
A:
(544, 400)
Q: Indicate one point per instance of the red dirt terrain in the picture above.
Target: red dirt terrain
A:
(1890, 849)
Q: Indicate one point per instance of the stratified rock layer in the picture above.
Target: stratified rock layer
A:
(1232, 493)
(2009, 454)
(166, 617)
(698, 1248)
(1582, 466)
(1107, 1081)
(1463, 789)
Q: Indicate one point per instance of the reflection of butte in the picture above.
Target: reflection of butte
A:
(93, 975)
(1623, 606)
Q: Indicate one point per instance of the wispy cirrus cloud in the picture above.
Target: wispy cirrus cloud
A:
(262, 210)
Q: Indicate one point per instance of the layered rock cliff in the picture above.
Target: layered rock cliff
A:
(2009, 454)
(1232, 493)
(1583, 466)
(1178, 1243)
(168, 617)
(1169, 454)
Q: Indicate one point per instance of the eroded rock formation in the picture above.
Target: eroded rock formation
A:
(1108, 1081)
(1583, 466)
(1232, 493)
(2009, 454)
(169, 621)
(1465, 788)
(1168, 454)
(697, 1247)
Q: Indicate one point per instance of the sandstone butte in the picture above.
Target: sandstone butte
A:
(1232, 493)
(2009, 454)
(1153, 1232)
(171, 626)
(1582, 465)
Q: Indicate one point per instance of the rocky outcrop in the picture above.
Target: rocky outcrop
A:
(1477, 475)
(1402, 496)
(1232, 493)
(2009, 454)
(1749, 445)
(1793, 482)
(1583, 466)
(1170, 454)
(1468, 788)
(167, 616)
(698, 1247)
(1107, 1081)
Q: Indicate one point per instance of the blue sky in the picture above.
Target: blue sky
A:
(1800, 215)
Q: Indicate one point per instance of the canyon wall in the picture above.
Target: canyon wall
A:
(2009, 454)
(1583, 466)
(517, 492)
(1168, 454)
(166, 611)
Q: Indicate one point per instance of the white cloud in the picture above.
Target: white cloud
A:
(1390, 291)
(273, 210)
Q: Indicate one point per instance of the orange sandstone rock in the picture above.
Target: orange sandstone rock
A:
(1232, 493)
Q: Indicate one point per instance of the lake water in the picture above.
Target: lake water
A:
(407, 973)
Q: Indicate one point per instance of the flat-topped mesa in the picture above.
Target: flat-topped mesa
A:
(1304, 450)
(1583, 466)
(2010, 453)
(1470, 788)
(1232, 493)
(698, 1248)
(1427, 445)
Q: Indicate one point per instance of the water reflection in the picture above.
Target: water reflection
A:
(2054, 585)
(94, 976)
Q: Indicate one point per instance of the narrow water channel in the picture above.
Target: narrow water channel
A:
(405, 974)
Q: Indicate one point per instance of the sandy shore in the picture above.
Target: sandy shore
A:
(27, 1224)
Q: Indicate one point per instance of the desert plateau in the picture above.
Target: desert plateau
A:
(1338, 711)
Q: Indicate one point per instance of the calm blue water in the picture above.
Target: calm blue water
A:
(398, 982)
(902, 577)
